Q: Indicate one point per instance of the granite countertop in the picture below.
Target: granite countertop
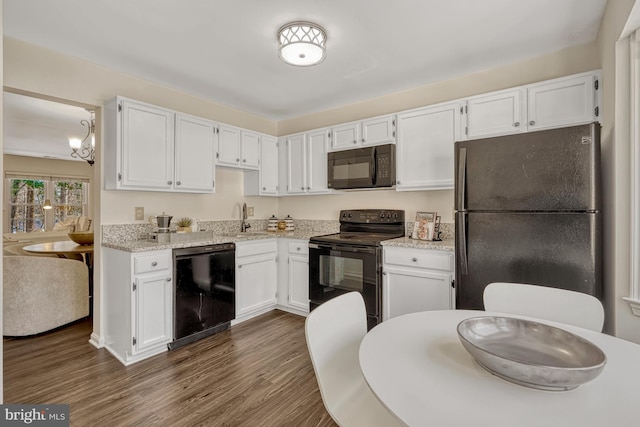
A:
(186, 240)
(407, 242)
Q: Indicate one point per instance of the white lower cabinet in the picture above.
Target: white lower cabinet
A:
(256, 278)
(138, 303)
(293, 276)
(416, 280)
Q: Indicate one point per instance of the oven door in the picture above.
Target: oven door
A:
(337, 269)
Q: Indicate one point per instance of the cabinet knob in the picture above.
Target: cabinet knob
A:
(240, 266)
(308, 188)
(177, 182)
(154, 263)
(237, 159)
(302, 188)
(362, 139)
(169, 182)
(244, 160)
(532, 122)
(355, 142)
(516, 124)
(414, 259)
(168, 279)
(264, 188)
(298, 248)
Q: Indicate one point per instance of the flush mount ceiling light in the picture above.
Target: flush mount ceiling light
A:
(85, 148)
(302, 43)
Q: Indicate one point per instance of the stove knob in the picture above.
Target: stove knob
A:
(350, 215)
(381, 215)
(388, 214)
(395, 215)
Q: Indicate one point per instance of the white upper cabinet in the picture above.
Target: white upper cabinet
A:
(425, 147)
(155, 149)
(195, 149)
(378, 130)
(296, 164)
(264, 182)
(317, 142)
(228, 146)
(565, 101)
(374, 131)
(307, 162)
(497, 113)
(249, 149)
(238, 148)
(346, 136)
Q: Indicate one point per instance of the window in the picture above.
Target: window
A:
(27, 195)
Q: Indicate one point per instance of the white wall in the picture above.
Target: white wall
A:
(614, 57)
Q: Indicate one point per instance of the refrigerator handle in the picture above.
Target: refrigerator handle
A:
(461, 236)
(461, 191)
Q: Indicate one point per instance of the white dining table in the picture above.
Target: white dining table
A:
(418, 369)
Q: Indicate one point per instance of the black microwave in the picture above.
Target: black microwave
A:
(369, 167)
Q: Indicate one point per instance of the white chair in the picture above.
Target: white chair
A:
(334, 331)
(558, 305)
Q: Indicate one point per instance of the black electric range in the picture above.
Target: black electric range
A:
(351, 260)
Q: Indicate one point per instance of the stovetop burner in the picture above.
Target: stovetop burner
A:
(366, 227)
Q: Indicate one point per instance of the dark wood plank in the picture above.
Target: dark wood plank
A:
(257, 373)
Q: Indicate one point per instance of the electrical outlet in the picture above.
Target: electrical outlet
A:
(250, 211)
(139, 213)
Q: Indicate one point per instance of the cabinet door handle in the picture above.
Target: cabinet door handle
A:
(302, 188)
(516, 124)
(362, 139)
(308, 188)
(154, 263)
(177, 182)
(264, 188)
(237, 159)
(244, 160)
(168, 279)
(298, 248)
(240, 266)
(414, 259)
(532, 122)
(169, 182)
(355, 142)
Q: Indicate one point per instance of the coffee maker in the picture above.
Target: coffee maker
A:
(162, 223)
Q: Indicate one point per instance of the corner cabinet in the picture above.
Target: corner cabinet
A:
(238, 148)
(256, 278)
(138, 303)
(416, 280)
(425, 151)
(264, 182)
(306, 159)
(154, 149)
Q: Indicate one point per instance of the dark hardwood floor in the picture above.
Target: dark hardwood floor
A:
(257, 373)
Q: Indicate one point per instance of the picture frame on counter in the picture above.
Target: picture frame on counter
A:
(424, 227)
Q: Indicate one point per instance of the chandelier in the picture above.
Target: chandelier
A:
(302, 43)
(85, 148)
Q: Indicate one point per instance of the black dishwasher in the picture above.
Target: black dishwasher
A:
(205, 291)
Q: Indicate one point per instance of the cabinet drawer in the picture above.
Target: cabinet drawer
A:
(299, 247)
(150, 263)
(255, 248)
(421, 258)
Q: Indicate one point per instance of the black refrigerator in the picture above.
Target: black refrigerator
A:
(528, 210)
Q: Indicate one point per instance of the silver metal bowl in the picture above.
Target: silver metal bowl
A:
(531, 354)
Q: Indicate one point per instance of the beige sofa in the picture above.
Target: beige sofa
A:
(42, 293)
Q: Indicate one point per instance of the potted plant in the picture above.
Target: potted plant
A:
(184, 225)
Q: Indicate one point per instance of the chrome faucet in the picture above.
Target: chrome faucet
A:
(244, 224)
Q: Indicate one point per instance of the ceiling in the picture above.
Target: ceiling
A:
(38, 128)
(226, 51)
